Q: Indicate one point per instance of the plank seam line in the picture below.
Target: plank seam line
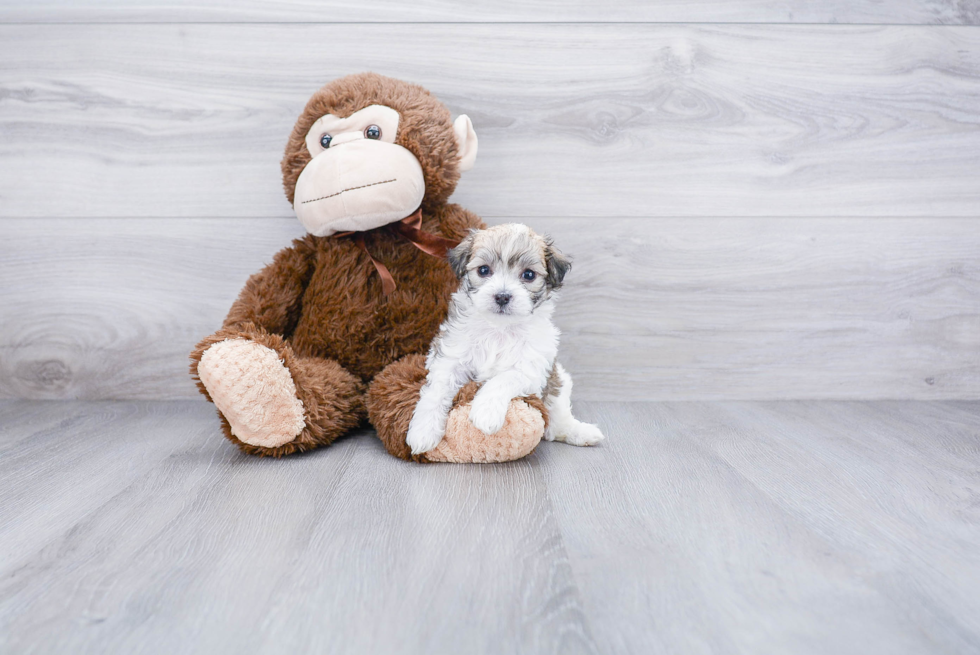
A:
(110, 22)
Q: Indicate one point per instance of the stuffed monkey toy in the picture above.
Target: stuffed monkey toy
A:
(335, 330)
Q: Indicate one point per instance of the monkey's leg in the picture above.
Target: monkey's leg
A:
(391, 400)
(272, 402)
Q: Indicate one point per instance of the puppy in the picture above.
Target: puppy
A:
(499, 332)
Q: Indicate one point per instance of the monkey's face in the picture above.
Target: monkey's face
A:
(359, 177)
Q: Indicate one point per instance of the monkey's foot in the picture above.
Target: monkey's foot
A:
(394, 395)
(254, 391)
(522, 431)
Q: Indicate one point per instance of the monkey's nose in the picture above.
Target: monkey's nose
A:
(502, 299)
(345, 137)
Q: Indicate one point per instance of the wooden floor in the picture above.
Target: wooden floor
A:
(756, 527)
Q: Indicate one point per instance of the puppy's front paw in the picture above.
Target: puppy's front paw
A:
(488, 414)
(424, 432)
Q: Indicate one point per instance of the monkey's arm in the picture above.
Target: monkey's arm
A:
(268, 307)
(272, 299)
(454, 221)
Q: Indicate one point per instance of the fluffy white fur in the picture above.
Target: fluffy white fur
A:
(500, 333)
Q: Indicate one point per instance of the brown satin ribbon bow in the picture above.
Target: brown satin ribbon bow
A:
(410, 229)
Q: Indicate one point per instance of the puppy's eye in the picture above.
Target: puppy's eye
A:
(484, 271)
(325, 141)
(373, 132)
(528, 275)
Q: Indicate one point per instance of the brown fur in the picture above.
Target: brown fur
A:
(347, 317)
(319, 305)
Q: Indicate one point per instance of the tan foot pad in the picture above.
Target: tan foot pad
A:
(464, 443)
(254, 391)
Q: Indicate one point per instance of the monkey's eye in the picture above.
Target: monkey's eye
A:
(325, 141)
(484, 271)
(373, 132)
(528, 275)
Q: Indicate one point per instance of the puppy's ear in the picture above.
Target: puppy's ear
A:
(557, 264)
(459, 257)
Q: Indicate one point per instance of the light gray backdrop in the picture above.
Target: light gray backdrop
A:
(763, 200)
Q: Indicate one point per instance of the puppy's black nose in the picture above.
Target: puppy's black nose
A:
(502, 299)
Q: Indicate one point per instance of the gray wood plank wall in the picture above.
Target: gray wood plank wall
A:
(756, 211)
(948, 12)
(575, 120)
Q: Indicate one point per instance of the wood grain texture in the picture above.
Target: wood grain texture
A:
(653, 309)
(138, 528)
(950, 12)
(574, 120)
(803, 527)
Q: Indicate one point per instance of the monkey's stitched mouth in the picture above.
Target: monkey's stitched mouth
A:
(353, 188)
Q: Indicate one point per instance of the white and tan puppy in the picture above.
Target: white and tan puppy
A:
(499, 332)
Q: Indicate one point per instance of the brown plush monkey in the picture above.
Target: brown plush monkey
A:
(335, 330)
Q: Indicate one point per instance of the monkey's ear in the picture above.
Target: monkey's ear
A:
(465, 142)
(459, 257)
(557, 265)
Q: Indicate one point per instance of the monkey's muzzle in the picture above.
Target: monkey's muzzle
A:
(357, 186)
